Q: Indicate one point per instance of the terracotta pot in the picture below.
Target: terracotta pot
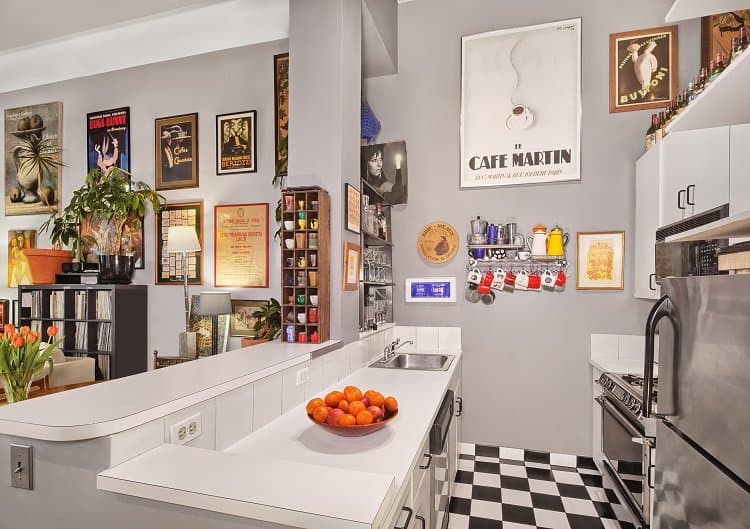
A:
(247, 342)
(44, 264)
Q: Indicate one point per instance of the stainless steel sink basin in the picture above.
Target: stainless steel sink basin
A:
(418, 362)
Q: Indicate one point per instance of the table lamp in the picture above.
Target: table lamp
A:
(184, 240)
(215, 304)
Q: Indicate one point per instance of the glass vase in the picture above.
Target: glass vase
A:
(16, 386)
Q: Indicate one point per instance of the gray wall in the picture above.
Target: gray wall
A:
(526, 373)
(210, 84)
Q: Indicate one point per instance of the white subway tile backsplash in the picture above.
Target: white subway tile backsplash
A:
(267, 400)
(404, 334)
(427, 339)
(604, 346)
(207, 411)
(631, 347)
(234, 416)
(291, 393)
(449, 339)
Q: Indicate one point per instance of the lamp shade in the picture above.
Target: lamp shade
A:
(215, 303)
(182, 239)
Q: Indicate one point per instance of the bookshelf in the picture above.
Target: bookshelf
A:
(106, 322)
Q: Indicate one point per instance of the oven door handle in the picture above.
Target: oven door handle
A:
(621, 419)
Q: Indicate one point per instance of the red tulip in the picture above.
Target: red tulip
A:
(18, 342)
(51, 330)
(25, 330)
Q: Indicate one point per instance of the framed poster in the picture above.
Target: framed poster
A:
(384, 167)
(242, 321)
(96, 240)
(430, 290)
(169, 265)
(241, 245)
(643, 72)
(601, 261)
(201, 325)
(19, 272)
(5, 315)
(281, 106)
(521, 105)
(717, 32)
(30, 188)
(236, 143)
(176, 148)
(351, 266)
(353, 209)
(108, 140)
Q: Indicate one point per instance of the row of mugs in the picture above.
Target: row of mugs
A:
(483, 284)
(302, 281)
(301, 240)
(301, 335)
(302, 223)
(302, 318)
(302, 298)
(301, 261)
(289, 203)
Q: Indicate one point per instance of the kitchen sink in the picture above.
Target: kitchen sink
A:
(418, 362)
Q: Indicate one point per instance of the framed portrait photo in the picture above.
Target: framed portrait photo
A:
(236, 143)
(176, 148)
(351, 266)
(169, 265)
(353, 209)
(242, 321)
(601, 261)
(643, 69)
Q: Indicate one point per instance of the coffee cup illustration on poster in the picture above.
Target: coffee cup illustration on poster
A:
(521, 105)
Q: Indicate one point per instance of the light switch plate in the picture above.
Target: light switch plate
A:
(21, 467)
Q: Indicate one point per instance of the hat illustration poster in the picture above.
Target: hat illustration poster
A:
(521, 105)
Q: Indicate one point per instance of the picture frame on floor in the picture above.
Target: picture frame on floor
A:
(600, 260)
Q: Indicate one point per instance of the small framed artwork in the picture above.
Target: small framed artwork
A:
(601, 261)
(169, 265)
(643, 71)
(5, 315)
(351, 266)
(717, 32)
(353, 209)
(430, 290)
(241, 245)
(242, 321)
(281, 107)
(236, 143)
(19, 272)
(108, 140)
(176, 147)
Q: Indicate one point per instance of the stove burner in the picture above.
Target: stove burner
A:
(637, 382)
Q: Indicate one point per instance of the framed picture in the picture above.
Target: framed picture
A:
(176, 148)
(169, 265)
(5, 315)
(201, 325)
(351, 266)
(27, 192)
(236, 143)
(19, 272)
(108, 140)
(643, 69)
(94, 240)
(717, 32)
(430, 290)
(281, 106)
(353, 208)
(241, 245)
(242, 321)
(521, 105)
(14, 318)
(601, 261)
(384, 167)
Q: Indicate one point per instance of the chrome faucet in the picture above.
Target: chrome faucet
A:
(390, 349)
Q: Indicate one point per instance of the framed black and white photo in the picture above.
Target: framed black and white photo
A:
(521, 105)
(384, 167)
(236, 143)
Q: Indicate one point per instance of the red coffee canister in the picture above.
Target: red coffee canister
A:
(312, 315)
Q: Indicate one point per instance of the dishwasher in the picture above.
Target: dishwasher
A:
(441, 459)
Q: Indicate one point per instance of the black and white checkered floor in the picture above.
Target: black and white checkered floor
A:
(506, 488)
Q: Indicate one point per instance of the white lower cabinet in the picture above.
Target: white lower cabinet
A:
(422, 504)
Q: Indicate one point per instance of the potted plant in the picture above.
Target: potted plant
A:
(115, 205)
(267, 323)
(22, 359)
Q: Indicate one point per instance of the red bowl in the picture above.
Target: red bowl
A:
(355, 430)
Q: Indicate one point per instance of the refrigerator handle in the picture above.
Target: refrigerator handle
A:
(662, 308)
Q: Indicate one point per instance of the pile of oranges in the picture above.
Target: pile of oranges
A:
(351, 407)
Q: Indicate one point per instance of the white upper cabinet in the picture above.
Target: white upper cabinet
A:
(739, 169)
(687, 9)
(647, 221)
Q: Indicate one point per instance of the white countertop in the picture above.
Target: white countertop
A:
(117, 405)
(621, 366)
(293, 446)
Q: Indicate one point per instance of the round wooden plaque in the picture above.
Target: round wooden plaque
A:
(438, 242)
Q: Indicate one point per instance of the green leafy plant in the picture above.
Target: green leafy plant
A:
(22, 359)
(35, 155)
(268, 320)
(115, 199)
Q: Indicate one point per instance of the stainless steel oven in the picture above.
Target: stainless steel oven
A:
(628, 453)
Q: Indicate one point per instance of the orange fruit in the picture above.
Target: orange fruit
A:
(321, 414)
(391, 405)
(364, 417)
(347, 419)
(343, 405)
(313, 404)
(376, 399)
(356, 407)
(333, 398)
(352, 393)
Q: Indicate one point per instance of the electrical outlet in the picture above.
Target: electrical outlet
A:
(186, 430)
(303, 375)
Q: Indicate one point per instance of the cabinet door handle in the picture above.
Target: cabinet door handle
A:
(651, 280)
(679, 198)
(408, 518)
(460, 406)
(421, 519)
(690, 201)
(429, 461)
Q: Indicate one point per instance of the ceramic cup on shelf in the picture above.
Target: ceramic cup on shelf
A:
(289, 243)
(312, 277)
(301, 279)
(289, 330)
(302, 337)
(312, 315)
(314, 300)
(313, 241)
(300, 299)
(289, 202)
(302, 318)
(301, 204)
(289, 262)
(313, 224)
(301, 262)
(313, 260)
(288, 225)
(314, 204)
(299, 239)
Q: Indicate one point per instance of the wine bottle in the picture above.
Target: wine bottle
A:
(735, 49)
(743, 39)
(690, 93)
(659, 134)
(651, 132)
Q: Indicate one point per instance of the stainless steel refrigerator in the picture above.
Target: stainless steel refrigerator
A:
(702, 474)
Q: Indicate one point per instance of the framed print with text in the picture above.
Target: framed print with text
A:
(601, 261)
(108, 140)
(169, 265)
(351, 266)
(353, 209)
(176, 147)
(236, 143)
(241, 245)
